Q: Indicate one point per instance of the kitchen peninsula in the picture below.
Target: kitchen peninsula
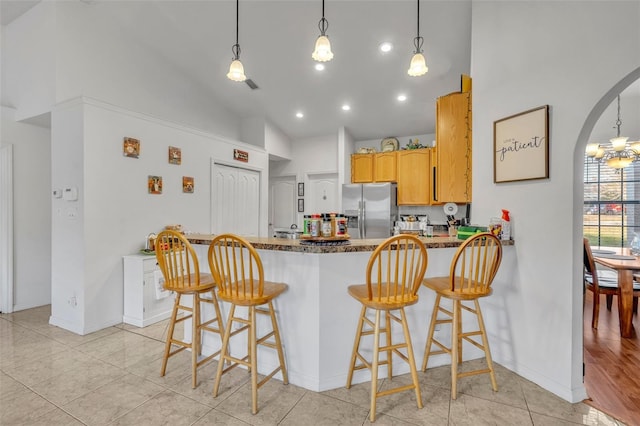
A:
(318, 318)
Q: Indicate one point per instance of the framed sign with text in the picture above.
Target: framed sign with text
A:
(241, 155)
(521, 146)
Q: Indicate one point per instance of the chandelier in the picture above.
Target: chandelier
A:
(618, 153)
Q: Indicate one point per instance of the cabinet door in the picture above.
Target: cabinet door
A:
(453, 136)
(385, 167)
(414, 169)
(361, 168)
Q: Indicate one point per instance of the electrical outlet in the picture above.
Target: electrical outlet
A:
(73, 301)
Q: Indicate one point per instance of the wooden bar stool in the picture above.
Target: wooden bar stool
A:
(472, 271)
(394, 273)
(179, 265)
(237, 270)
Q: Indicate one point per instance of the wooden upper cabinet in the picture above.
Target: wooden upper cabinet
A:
(361, 168)
(379, 167)
(453, 142)
(414, 177)
(385, 167)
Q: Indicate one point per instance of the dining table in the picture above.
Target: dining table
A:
(626, 265)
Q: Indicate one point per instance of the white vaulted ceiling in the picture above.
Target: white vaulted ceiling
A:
(277, 38)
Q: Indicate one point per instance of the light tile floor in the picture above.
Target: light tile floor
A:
(50, 376)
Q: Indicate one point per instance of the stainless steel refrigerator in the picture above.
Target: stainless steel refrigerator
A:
(371, 209)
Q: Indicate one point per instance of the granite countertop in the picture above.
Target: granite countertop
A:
(354, 245)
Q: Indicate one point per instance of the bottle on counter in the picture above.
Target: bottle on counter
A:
(495, 226)
(341, 225)
(332, 216)
(306, 225)
(506, 225)
(315, 225)
(326, 225)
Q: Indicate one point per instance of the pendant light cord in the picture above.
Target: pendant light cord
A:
(418, 41)
(418, 17)
(236, 47)
(323, 25)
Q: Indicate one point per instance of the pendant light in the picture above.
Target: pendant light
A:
(322, 52)
(236, 70)
(418, 64)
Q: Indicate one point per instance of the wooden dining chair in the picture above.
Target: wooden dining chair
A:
(472, 270)
(179, 265)
(237, 269)
(393, 276)
(602, 281)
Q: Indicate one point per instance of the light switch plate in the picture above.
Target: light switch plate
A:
(70, 194)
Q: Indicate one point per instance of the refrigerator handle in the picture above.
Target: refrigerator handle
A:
(364, 219)
(360, 219)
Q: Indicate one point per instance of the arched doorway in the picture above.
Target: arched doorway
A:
(591, 343)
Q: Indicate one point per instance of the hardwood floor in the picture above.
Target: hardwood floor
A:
(612, 364)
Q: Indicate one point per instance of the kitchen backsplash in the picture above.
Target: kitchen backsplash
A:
(436, 213)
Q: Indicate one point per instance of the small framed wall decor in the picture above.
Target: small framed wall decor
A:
(187, 184)
(131, 147)
(521, 146)
(301, 189)
(155, 184)
(175, 155)
(300, 205)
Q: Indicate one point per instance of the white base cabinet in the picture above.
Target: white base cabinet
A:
(142, 305)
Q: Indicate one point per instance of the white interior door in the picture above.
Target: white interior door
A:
(235, 200)
(248, 203)
(282, 202)
(323, 193)
(6, 229)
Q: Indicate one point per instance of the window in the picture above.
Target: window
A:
(611, 203)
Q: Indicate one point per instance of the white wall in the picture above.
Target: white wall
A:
(115, 212)
(32, 210)
(61, 50)
(313, 156)
(535, 320)
(28, 65)
(275, 142)
(252, 131)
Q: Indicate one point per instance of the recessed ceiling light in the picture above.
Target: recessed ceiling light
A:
(402, 98)
(346, 107)
(386, 47)
(299, 114)
(319, 67)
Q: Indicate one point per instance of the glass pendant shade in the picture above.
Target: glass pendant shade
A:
(619, 143)
(418, 66)
(592, 149)
(322, 52)
(619, 162)
(599, 153)
(635, 147)
(236, 71)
